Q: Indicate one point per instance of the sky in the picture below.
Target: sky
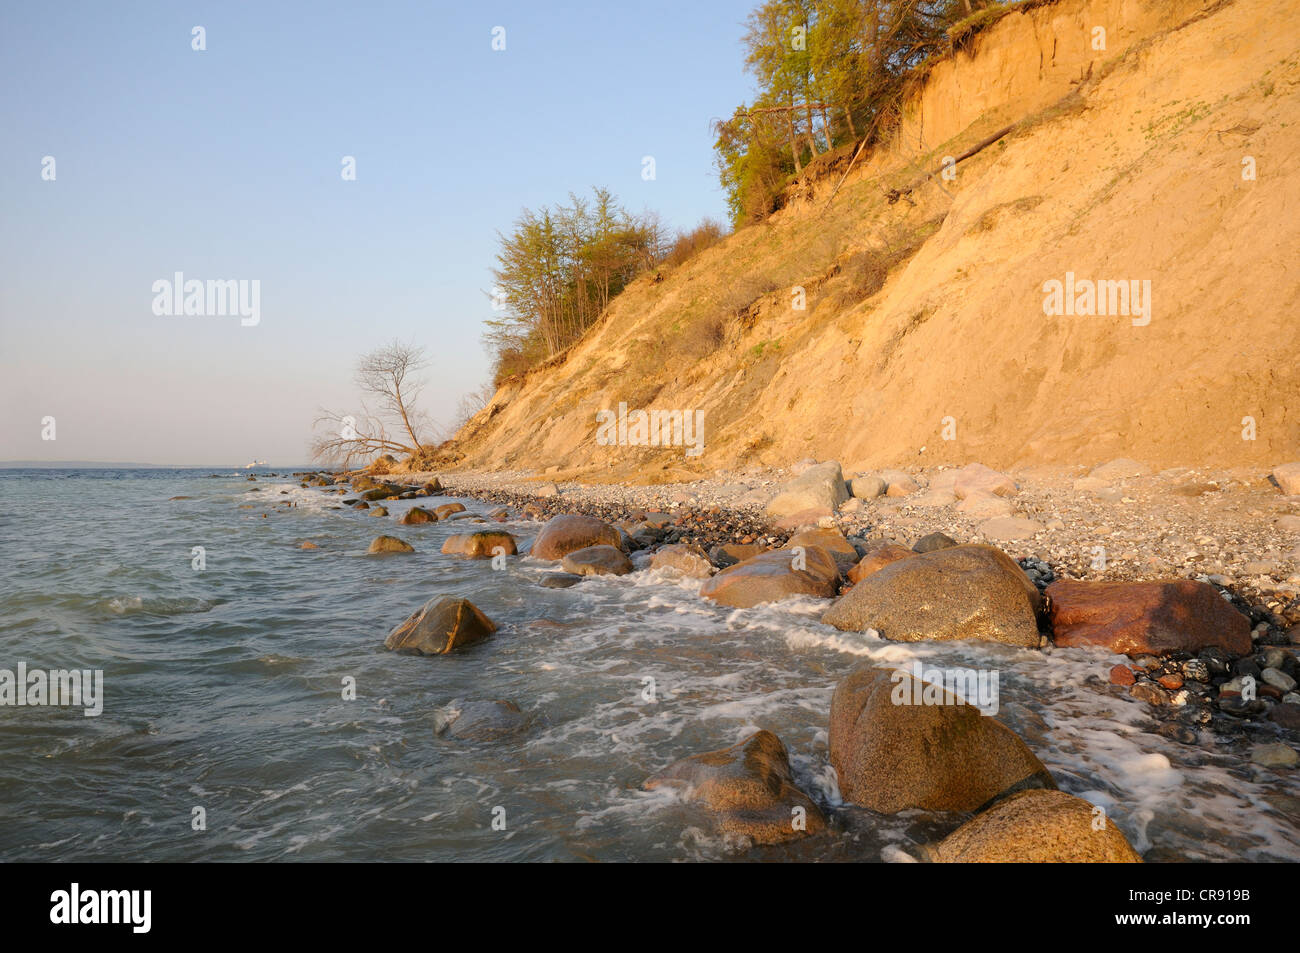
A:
(227, 163)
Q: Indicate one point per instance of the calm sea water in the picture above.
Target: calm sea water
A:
(224, 691)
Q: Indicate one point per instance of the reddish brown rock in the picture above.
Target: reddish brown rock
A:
(481, 545)
(892, 755)
(772, 576)
(564, 534)
(1146, 618)
(416, 515)
(441, 625)
(1122, 675)
(597, 561)
(749, 788)
(447, 509)
(1171, 682)
(879, 558)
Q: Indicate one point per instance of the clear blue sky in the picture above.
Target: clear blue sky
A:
(226, 164)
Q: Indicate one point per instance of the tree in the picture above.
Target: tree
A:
(389, 378)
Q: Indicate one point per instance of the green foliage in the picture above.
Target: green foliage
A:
(829, 72)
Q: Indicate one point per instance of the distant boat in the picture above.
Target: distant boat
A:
(255, 463)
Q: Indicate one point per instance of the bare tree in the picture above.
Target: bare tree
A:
(389, 377)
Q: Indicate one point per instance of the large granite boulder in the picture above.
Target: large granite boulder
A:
(749, 788)
(441, 625)
(685, 558)
(480, 545)
(773, 576)
(818, 490)
(892, 754)
(1146, 618)
(963, 592)
(1037, 827)
(563, 534)
(597, 561)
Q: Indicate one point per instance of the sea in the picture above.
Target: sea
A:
(249, 709)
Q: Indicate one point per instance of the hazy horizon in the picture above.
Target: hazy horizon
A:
(224, 163)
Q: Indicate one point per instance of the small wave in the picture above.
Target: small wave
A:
(141, 605)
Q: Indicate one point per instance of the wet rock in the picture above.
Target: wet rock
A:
(479, 720)
(441, 625)
(977, 478)
(560, 580)
(389, 544)
(381, 492)
(597, 561)
(933, 543)
(1036, 827)
(1278, 679)
(1149, 692)
(939, 757)
(1170, 682)
(1287, 715)
(377, 511)
(687, 559)
(818, 489)
(564, 534)
(1134, 618)
(749, 788)
(772, 576)
(1122, 675)
(964, 592)
(447, 509)
(480, 545)
(416, 515)
(728, 554)
(1238, 707)
(1196, 670)
(1275, 755)
(878, 559)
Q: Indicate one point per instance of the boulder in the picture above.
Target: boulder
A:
(749, 789)
(977, 478)
(378, 511)
(416, 515)
(442, 624)
(964, 592)
(563, 534)
(597, 561)
(389, 544)
(1287, 477)
(819, 489)
(1037, 827)
(867, 487)
(445, 511)
(481, 545)
(771, 577)
(877, 559)
(687, 559)
(933, 543)
(380, 492)
(560, 580)
(433, 487)
(983, 506)
(829, 539)
(728, 554)
(1145, 618)
(891, 755)
(479, 720)
(898, 483)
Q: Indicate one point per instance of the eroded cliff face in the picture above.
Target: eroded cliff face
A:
(924, 337)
